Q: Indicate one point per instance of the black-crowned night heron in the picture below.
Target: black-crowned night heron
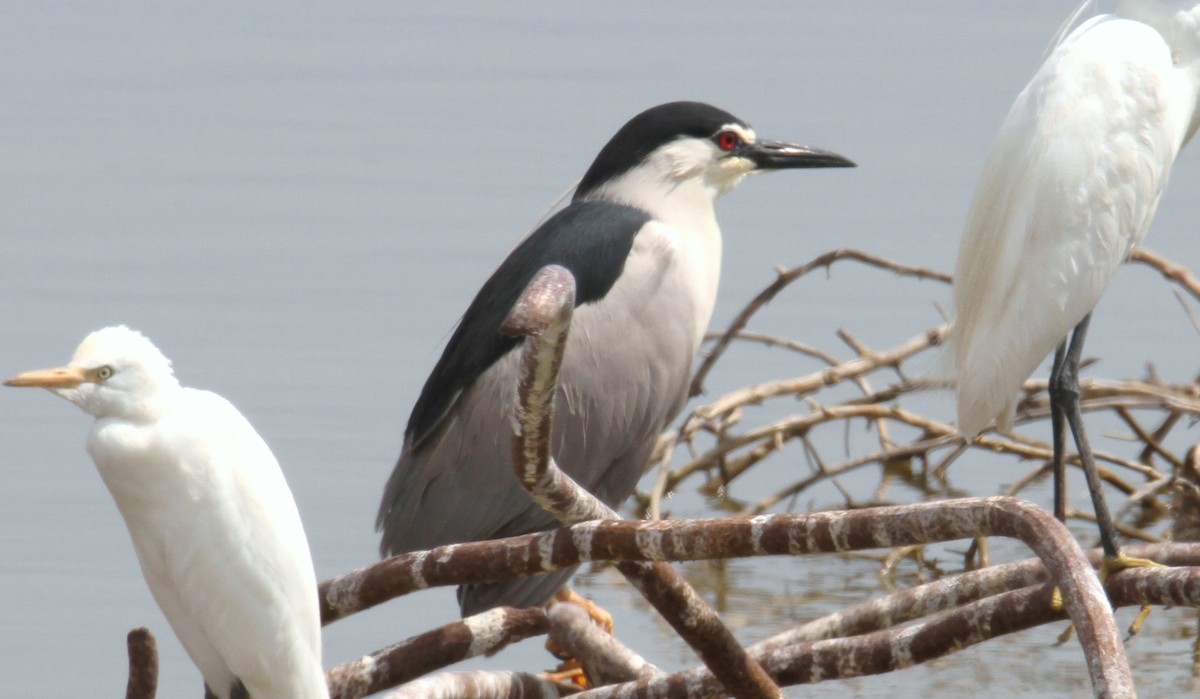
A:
(641, 238)
(211, 517)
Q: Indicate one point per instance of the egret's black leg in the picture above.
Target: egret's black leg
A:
(1058, 423)
(1064, 398)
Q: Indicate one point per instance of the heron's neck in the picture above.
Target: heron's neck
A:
(685, 204)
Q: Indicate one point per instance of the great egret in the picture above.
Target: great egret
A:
(642, 241)
(1069, 188)
(211, 518)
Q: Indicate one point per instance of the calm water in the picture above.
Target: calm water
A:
(296, 201)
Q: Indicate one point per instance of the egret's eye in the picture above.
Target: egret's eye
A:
(104, 372)
(727, 140)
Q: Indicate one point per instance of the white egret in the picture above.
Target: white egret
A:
(213, 523)
(1069, 188)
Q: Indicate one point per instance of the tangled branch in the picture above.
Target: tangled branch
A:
(1154, 466)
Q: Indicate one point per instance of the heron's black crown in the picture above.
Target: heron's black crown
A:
(644, 133)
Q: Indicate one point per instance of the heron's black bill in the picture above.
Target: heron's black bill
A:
(777, 155)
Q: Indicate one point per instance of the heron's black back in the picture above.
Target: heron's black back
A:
(590, 239)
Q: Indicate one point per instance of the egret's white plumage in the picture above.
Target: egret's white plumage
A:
(211, 517)
(1069, 188)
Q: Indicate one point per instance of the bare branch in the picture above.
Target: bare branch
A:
(543, 315)
(828, 377)
(604, 658)
(143, 664)
(784, 278)
(482, 685)
(1173, 271)
(482, 634)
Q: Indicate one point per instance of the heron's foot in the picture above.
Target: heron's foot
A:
(1110, 565)
(599, 616)
(568, 671)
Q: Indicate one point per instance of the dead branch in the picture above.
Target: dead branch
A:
(482, 634)
(482, 685)
(543, 316)
(954, 610)
(786, 277)
(605, 659)
(804, 385)
(143, 664)
(953, 591)
(811, 533)
(1172, 271)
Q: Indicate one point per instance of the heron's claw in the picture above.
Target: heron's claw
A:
(569, 671)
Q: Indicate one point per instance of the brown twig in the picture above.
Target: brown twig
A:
(143, 664)
(1172, 271)
(786, 277)
(804, 385)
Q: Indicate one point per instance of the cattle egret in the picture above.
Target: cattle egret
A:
(211, 518)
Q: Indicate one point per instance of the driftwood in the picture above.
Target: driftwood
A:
(1160, 482)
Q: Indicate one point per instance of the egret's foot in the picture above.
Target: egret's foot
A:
(1057, 604)
(1111, 565)
(1066, 635)
(1138, 620)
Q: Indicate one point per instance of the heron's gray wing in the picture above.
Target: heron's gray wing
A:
(624, 376)
(592, 240)
(614, 399)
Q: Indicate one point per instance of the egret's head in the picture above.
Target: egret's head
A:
(115, 372)
(674, 145)
(1178, 21)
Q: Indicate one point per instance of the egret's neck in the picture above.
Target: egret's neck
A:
(1178, 21)
(136, 401)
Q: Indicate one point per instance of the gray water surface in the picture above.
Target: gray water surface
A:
(295, 201)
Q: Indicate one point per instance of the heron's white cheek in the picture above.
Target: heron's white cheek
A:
(729, 173)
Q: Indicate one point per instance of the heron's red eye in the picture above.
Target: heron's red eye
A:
(727, 140)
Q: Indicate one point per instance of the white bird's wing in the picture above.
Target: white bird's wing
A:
(220, 542)
(1070, 186)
